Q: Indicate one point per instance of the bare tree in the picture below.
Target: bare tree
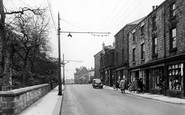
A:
(30, 36)
(33, 39)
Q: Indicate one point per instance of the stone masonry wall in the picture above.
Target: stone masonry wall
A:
(14, 101)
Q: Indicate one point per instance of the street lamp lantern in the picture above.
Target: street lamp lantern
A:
(69, 35)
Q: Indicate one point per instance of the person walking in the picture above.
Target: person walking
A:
(122, 86)
(140, 85)
(117, 85)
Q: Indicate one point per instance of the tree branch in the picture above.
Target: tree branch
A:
(35, 11)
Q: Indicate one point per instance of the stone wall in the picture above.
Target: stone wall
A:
(14, 101)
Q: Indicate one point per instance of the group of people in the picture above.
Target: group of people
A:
(136, 85)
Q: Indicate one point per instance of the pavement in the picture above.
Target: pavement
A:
(157, 97)
(51, 103)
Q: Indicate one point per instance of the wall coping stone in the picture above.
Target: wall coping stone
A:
(16, 92)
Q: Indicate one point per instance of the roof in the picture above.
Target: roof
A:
(136, 21)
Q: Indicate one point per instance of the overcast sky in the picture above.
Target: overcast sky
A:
(86, 16)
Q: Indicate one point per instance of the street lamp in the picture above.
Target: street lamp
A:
(59, 62)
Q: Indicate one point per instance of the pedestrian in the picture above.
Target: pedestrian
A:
(122, 86)
(117, 85)
(140, 85)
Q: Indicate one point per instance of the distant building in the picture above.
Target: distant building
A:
(107, 65)
(91, 74)
(82, 71)
(97, 64)
(69, 81)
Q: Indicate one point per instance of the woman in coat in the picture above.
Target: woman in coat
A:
(122, 86)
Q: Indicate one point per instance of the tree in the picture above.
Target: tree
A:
(23, 49)
(31, 40)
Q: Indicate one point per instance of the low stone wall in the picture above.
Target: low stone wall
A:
(14, 101)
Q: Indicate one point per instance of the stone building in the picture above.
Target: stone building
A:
(80, 72)
(157, 49)
(97, 64)
(107, 65)
(121, 51)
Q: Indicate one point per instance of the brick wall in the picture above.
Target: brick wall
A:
(14, 101)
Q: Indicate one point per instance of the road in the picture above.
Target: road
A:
(84, 100)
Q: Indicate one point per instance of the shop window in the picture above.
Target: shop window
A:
(175, 76)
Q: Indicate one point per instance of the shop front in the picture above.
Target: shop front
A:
(175, 79)
(140, 73)
(157, 80)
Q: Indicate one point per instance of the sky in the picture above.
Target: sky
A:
(85, 16)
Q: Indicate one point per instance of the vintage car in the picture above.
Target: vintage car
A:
(97, 84)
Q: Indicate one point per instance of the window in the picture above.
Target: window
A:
(175, 73)
(142, 51)
(142, 30)
(173, 10)
(155, 45)
(173, 38)
(134, 36)
(154, 27)
(122, 55)
(133, 55)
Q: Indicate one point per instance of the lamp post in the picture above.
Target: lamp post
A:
(59, 62)
(59, 59)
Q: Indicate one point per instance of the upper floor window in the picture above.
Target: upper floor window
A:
(134, 36)
(134, 54)
(154, 26)
(123, 55)
(142, 51)
(155, 45)
(173, 10)
(142, 30)
(173, 38)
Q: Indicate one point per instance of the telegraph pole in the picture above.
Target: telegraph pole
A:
(59, 59)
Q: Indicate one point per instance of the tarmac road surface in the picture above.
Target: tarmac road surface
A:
(84, 100)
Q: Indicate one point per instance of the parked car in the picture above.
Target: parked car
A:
(97, 84)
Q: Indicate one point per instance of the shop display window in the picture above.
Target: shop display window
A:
(175, 73)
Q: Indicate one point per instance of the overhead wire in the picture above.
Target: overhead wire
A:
(128, 6)
(129, 13)
(120, 11)
(113, 9)
(51, 13)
